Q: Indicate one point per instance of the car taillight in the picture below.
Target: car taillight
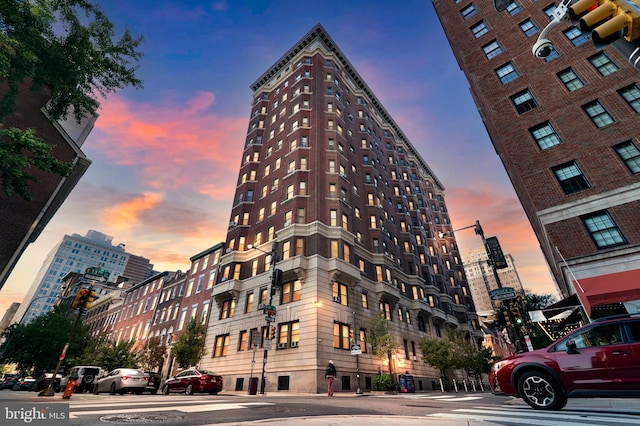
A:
(125, 377)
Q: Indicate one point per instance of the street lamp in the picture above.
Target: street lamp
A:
(270, 311)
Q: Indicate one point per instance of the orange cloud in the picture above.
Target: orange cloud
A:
(172, 146)
(125, 215)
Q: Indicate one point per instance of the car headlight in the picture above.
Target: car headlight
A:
(498, 365)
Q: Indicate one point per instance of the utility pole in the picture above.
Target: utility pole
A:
(355, 341)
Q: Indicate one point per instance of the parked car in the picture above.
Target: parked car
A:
(43, 381)
(86, 377)
(122, 380)
(8, 381)
(600, 359)
(154, 382)
(24, 384)
(194, 381)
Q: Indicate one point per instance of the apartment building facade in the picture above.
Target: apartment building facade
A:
(566, 130)
(330, 184)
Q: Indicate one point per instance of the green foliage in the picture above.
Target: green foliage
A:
(437, 352)
(21, 150)
(67, 49)
(383, 382)
(189, 349)
(153, 353)
(382, 342)
(114, 355)
(37, 345)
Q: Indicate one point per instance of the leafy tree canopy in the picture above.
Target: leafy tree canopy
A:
(37, 345)
(66, 48)
(189, 349)
(153, 353)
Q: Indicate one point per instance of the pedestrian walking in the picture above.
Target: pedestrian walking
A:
(330, 375)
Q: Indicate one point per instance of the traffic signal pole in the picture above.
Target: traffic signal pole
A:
(268, 318)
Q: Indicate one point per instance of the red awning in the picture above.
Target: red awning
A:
(610, 288)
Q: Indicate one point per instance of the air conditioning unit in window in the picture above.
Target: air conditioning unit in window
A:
(294, 344)
(336, 299)
(282, 345)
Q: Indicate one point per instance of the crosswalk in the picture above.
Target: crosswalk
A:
(447, 397)
(180, 404)
(521, 415)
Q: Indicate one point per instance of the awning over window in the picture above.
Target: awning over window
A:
(607, 289)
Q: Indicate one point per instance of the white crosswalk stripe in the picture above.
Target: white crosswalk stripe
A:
(184, 405)
(527, 416)
(439, 397)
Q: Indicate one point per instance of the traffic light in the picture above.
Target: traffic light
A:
(351, 341)
(81, 298)
(505, 313)
(517, 316)
(478, 229)
(272, 336)
(494, 253)
(607, 20)
(89, 299)
(276, 278)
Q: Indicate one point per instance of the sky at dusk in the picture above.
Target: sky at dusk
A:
(166, 158)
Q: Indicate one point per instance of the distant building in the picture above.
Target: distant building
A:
(331, 185)
(74, 253)
(482, 280)
(566, 130)
(22, 221)
(8, 316)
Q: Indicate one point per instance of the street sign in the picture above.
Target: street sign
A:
(356, 350)
(267, 344)
(502, 293)
(268, 318)
(98, 278)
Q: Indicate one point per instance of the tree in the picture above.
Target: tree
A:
(153, 353)
(65, 48)
(438, 352)
(114, 355)
(37, 345)
(189, 349)
(382, 342)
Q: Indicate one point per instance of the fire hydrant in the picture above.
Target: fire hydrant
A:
(71, 385)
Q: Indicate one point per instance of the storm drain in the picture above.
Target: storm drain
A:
(139, 418)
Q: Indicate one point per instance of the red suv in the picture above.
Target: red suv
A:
(601, 359)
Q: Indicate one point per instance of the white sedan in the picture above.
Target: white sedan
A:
(122, 380)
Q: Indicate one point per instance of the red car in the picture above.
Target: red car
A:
(194, 381)
(600, 359)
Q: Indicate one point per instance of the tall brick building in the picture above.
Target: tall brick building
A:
(22, 221)
(355, 211)
(567, 132)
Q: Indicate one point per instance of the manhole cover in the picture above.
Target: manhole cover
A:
(139, 418)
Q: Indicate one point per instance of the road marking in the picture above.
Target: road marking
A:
(533, 417)
(181, 408)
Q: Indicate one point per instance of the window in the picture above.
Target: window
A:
(603, 229)
(575, 36)
(468, 11)
(513, 8)
(340, 294)
(552, 55)
(570, 79)
(492, 49)
(549, 11)
(630, 154)
(242, 340)
(341, 335)
(479, 29)
(631, 94)
(291, 291)
(528, 27)
(227, 309)
(248, 306)
(507, 73)
(570, 177)
(385, 309)
(598, 114)
(603, 64)
(545, 135)
(524, 101)
(221, 346)
(288, 334)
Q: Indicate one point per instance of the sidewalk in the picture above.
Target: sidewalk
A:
(625, 405)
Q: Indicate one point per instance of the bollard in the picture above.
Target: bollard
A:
(474, 385)
(68, 390)
(455, 385)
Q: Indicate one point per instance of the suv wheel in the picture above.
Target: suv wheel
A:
(540, 391)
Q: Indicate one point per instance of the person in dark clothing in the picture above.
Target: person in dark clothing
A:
(330, 375)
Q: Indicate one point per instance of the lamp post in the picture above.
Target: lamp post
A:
(270, 310)
(493, 263)
(355, 341)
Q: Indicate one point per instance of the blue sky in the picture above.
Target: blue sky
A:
(166, 158)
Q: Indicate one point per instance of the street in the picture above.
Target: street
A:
(345, 409)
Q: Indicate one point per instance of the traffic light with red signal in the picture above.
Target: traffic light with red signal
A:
(607, 20)
(272, 336)
(80, 299)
